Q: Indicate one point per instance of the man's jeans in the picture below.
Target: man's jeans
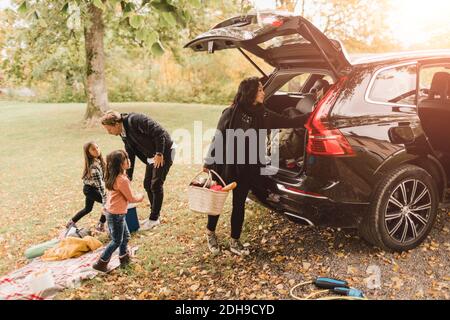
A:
(119, 233)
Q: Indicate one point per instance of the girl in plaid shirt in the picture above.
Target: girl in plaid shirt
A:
(93, 184)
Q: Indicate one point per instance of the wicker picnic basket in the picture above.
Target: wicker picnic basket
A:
(205, 200)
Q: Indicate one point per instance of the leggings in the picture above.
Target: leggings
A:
(240, 193)
(92, 195)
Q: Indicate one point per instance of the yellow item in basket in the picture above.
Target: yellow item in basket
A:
(230, 186)
(71, 247)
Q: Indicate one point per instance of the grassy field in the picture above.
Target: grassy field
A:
(40, 189)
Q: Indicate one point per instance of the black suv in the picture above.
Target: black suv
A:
(376, 155)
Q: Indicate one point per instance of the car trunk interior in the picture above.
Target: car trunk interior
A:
(292, 93)
(434, 111)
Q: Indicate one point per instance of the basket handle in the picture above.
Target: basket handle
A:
(209, 177)
(221, 180)
(200, 174)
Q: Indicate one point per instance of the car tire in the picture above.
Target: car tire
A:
(398, 224)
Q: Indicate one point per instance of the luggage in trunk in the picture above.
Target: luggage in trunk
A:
(291, 144)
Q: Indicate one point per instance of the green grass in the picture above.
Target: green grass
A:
(41, 163)
(41, 188)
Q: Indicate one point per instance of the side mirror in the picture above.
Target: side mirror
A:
(401, 135)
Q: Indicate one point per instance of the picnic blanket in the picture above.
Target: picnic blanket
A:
(66, 274)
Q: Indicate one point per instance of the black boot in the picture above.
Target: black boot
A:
(124, 260)
(101, 265)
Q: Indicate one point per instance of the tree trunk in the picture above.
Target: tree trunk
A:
(97, 95)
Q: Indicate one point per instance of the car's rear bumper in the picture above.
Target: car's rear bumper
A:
(311, 207)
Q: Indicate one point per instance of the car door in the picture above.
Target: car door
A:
(434, 106)
(279, 39)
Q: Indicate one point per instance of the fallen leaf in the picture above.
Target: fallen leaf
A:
(306, 266)
(352, 270)
(395, 268)
(397, 283)
(194, 287)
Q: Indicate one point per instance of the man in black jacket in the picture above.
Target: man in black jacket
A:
(146, 139)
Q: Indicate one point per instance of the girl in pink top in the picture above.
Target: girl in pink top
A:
(119, 195)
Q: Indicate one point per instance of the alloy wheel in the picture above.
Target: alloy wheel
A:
(408, 211)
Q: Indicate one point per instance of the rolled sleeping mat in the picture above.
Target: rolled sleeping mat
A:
(39, 249)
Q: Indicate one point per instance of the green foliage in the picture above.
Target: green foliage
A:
(196, 78)
(145, 59)
(99, 4)
(157, 49)
(360, 24)
(140, 47)
(22, 8)
(136, 21)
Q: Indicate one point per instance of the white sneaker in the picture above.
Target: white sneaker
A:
(148, 224)
(213, 244)
(238, 248)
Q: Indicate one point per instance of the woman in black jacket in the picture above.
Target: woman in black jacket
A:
(236, 161)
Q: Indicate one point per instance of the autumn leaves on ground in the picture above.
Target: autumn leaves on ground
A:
(40, 187)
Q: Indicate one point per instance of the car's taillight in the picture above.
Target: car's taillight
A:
(323, 139)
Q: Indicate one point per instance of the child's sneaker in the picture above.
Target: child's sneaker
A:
(70, 228)
(100, 227)
(237, 248)
(70, 224)
(213, 244)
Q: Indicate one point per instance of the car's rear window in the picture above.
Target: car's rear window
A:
(396, 85)
(279, 41)
(295, 84)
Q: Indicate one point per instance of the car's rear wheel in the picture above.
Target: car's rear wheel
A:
(403, 209)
